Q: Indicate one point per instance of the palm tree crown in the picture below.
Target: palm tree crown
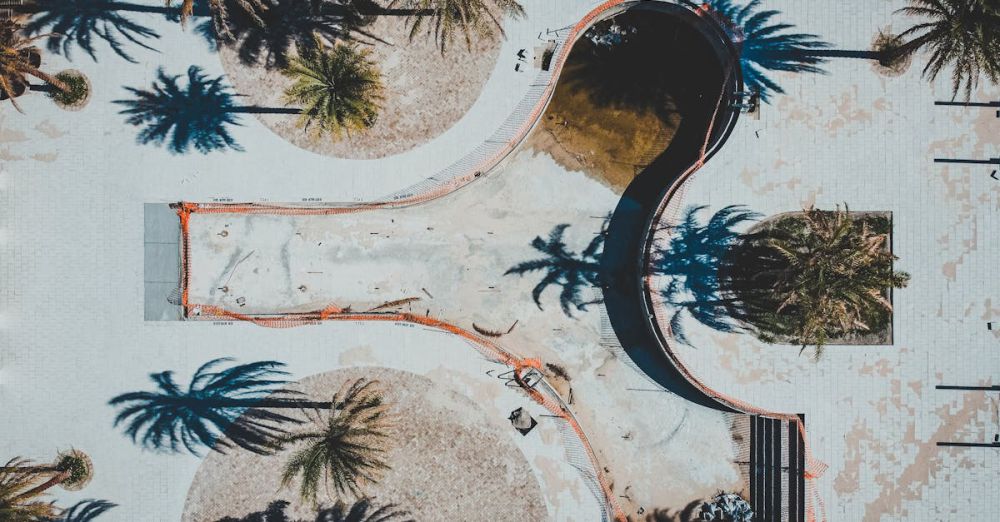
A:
(198, 114)
(218, 409)
(340, 89)
(817, 276)
(347, 449)
(16, 62)
(962, 33)
(449, 19)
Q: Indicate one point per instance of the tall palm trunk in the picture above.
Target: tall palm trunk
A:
(882, 56)
(290, 404)
(54, 481)
(29, 469)
(254, 109)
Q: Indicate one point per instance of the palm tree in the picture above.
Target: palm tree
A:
(817, 276)
(23, 485)
(219, 409)
(964, 34)
(220, 13)
(766, 46)
(359, 512)
(197, 115)
(18, 60)
(564, 268)
(340, 90)
(348, 448)
(449, 19)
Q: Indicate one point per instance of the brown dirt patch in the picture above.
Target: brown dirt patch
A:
(609, 144)
(426, 93)
(451, 461)
(618, 107)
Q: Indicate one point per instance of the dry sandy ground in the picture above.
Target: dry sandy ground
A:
(426, 92)
(450, 462)
(458, 248)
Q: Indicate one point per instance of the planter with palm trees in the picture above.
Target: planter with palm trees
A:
(815, 278)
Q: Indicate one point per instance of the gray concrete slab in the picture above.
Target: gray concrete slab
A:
(161, 263)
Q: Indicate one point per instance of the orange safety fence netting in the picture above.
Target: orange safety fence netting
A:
(668, 205)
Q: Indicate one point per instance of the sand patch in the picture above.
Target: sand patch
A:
(425, 92)
(450, 461)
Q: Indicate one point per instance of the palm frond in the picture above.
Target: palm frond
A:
(340, 90)
(215, 411)
(345, 451)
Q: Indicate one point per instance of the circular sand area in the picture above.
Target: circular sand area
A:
(450, 461)
(425, 92)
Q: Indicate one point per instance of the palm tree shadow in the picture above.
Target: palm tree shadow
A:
(360, 511)
(766, 47)
(219, 410)
(694, 261)
(198, 114)
(79, 22)
(288, 24)
(275, 512)
(690, 513)
(565, 268)
(85, 511)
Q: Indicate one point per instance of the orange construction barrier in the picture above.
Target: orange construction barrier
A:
(669, 205)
